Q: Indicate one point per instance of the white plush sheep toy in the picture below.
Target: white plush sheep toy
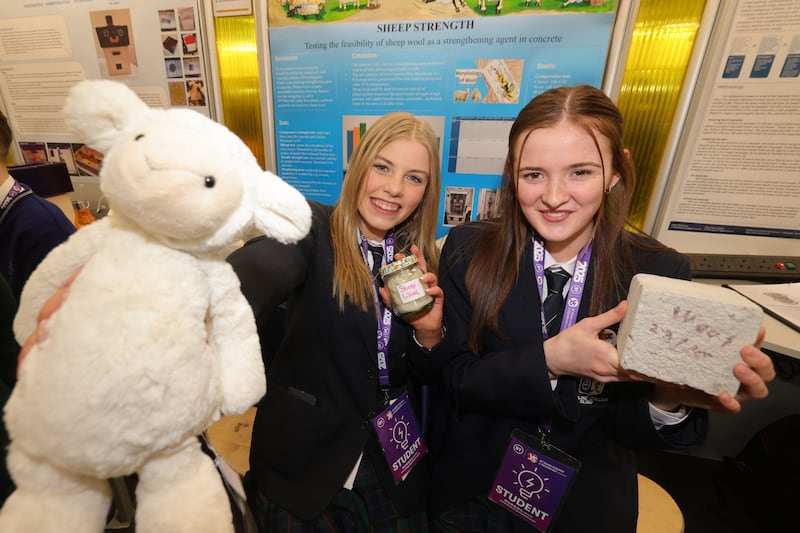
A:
(155, 341)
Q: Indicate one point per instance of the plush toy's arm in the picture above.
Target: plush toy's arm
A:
(53, 272)
(232, 333)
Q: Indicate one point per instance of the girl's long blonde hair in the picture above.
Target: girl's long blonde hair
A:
(351, 278)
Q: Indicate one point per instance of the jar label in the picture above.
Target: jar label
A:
(410, 290)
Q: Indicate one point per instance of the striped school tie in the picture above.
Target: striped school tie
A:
(377, 263)
(553, 305)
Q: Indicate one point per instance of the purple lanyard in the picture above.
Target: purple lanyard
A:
(385, 322)
(576, 283)
(574, 292)
(15, 190)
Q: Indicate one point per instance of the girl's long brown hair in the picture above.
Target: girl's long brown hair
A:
(494, 269)
(351, 278)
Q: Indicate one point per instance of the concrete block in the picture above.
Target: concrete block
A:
(686, 332)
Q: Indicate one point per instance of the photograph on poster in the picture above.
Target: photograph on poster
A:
(488, 81)
(457, 205)
(791, 66)
(488, 204)
(167, 19)
(62, 153)
(191, 67)
(33, 152)
(177, 93)
(501, 77)
(89, 160)
(733, 67)
(197, 93)
(762, 66)
(174, 68)
(114, 42)
(186, 18)
(169, 41)
(473, 96)
(189, 43)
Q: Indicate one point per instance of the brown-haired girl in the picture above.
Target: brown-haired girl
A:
(539, 424)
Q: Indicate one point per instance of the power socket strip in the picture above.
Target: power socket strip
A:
(755, 267)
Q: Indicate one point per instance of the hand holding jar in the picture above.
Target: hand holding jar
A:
(415, 296)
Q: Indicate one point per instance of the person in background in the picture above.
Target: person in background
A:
(30, 226)
(522, 395)
(318, 458)
(9, 350)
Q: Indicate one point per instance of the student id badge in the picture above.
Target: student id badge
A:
(533, 480)
(400, 437)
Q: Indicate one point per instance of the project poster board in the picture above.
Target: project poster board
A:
(154, 46)
(337, 65)
(735, 184)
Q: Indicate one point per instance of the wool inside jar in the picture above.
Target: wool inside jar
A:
(408, 294)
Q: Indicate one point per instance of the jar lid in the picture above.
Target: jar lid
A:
(400, 264)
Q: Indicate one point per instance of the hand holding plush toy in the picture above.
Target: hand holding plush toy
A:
(155, 341)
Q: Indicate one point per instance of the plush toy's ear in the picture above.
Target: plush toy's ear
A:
(280, 210)
(99, 110)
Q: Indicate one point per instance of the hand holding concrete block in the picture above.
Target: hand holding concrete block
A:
(686, 332)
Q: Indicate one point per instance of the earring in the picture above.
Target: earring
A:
(607, 190)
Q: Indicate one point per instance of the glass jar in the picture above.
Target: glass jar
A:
(407, 291)
(83, 215)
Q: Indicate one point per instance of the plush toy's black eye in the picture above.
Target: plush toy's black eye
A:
(138, 137)
(210, 181)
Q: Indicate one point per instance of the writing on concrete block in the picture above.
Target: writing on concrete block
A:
(675, 339)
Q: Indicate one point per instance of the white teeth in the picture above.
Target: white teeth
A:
(386, 206)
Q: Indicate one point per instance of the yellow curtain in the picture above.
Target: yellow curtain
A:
(663, 37)
(238, 78)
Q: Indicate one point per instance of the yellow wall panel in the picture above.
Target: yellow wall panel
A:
(661, 46)
(238, 78)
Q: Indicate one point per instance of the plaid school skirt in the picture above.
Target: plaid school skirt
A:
(365, 509)
(478, 515)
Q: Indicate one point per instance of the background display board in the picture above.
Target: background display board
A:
(732, 198)
(157, 47)
(466, 67)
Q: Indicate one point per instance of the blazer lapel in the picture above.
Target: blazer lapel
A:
(368, 325)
